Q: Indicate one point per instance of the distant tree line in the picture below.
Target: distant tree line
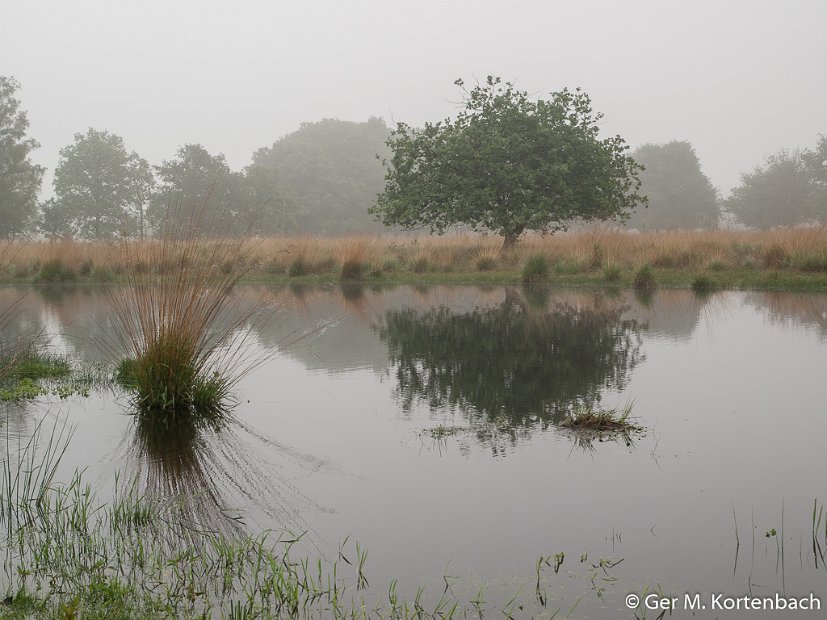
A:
(325, 176)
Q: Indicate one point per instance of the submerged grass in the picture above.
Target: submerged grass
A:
(588, 419)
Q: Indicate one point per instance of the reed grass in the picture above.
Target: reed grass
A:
(795, 251)
(183, 332)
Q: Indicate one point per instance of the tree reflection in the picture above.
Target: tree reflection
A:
(515, 364)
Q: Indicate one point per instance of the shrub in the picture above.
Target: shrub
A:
(536, 269)
(486, 263)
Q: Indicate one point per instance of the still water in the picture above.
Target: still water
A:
(330, 437)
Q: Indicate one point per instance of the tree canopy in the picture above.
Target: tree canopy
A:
(508, 164)
(324, 176)
(680, 195)
(196, 179)
(94, 185)
(788, 190)
(19, 177)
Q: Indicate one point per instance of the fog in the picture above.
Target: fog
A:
(738, 80)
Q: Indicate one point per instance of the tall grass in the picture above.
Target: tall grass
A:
(176, 317)
(799, 250)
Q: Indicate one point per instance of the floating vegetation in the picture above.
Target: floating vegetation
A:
(586, 418)
(588, 425)
(30, 374)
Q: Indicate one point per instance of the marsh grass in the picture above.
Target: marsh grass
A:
(183, 331)
(585, 418)
(792, 252)
(536, 269)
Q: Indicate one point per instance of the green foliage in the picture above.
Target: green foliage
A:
(196, 181)
(789, 189)
(19, 177)
(55, 271)
(536, 269)
(680, 194)
(96, 188)
(321, 178)
(508, 164)
(495, 362)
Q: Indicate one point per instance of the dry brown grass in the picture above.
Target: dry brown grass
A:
(800, 248)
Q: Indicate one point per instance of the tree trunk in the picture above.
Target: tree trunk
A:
(510, 239)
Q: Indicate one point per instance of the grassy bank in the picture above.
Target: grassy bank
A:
(778, 259)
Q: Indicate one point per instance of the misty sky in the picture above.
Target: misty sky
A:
(738, 79)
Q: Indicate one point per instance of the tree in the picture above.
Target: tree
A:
(141, 190)
(55, 221)
(94, 185)
(19, 177)
(816, 162)
(508, 164)
(327, 173)
(680, 194)
(781, 193)
(197, 180)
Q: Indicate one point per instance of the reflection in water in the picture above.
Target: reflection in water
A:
(514, 363)
(209, 473)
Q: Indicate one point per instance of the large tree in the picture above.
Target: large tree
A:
(199, 183)
(508, 163)
(94, 184)
(19, 177)
(782, 192)
(680, 194)
(324, 176)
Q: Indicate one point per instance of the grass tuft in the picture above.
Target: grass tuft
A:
(644, 281)
(184, 348)
(536, 269)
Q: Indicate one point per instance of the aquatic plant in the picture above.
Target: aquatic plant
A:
(587, 418)
(176, 318)
(703, 284)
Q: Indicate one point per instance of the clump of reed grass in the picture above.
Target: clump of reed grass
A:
(536, 269)
(775, 257)
(587, 418)
(703, 284)
(177, 320)
(644, 281)
(352, 269)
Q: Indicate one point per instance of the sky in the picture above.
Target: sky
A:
(738, 79)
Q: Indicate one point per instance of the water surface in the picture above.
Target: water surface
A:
(328, 436)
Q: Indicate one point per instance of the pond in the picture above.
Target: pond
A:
(424, 422)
